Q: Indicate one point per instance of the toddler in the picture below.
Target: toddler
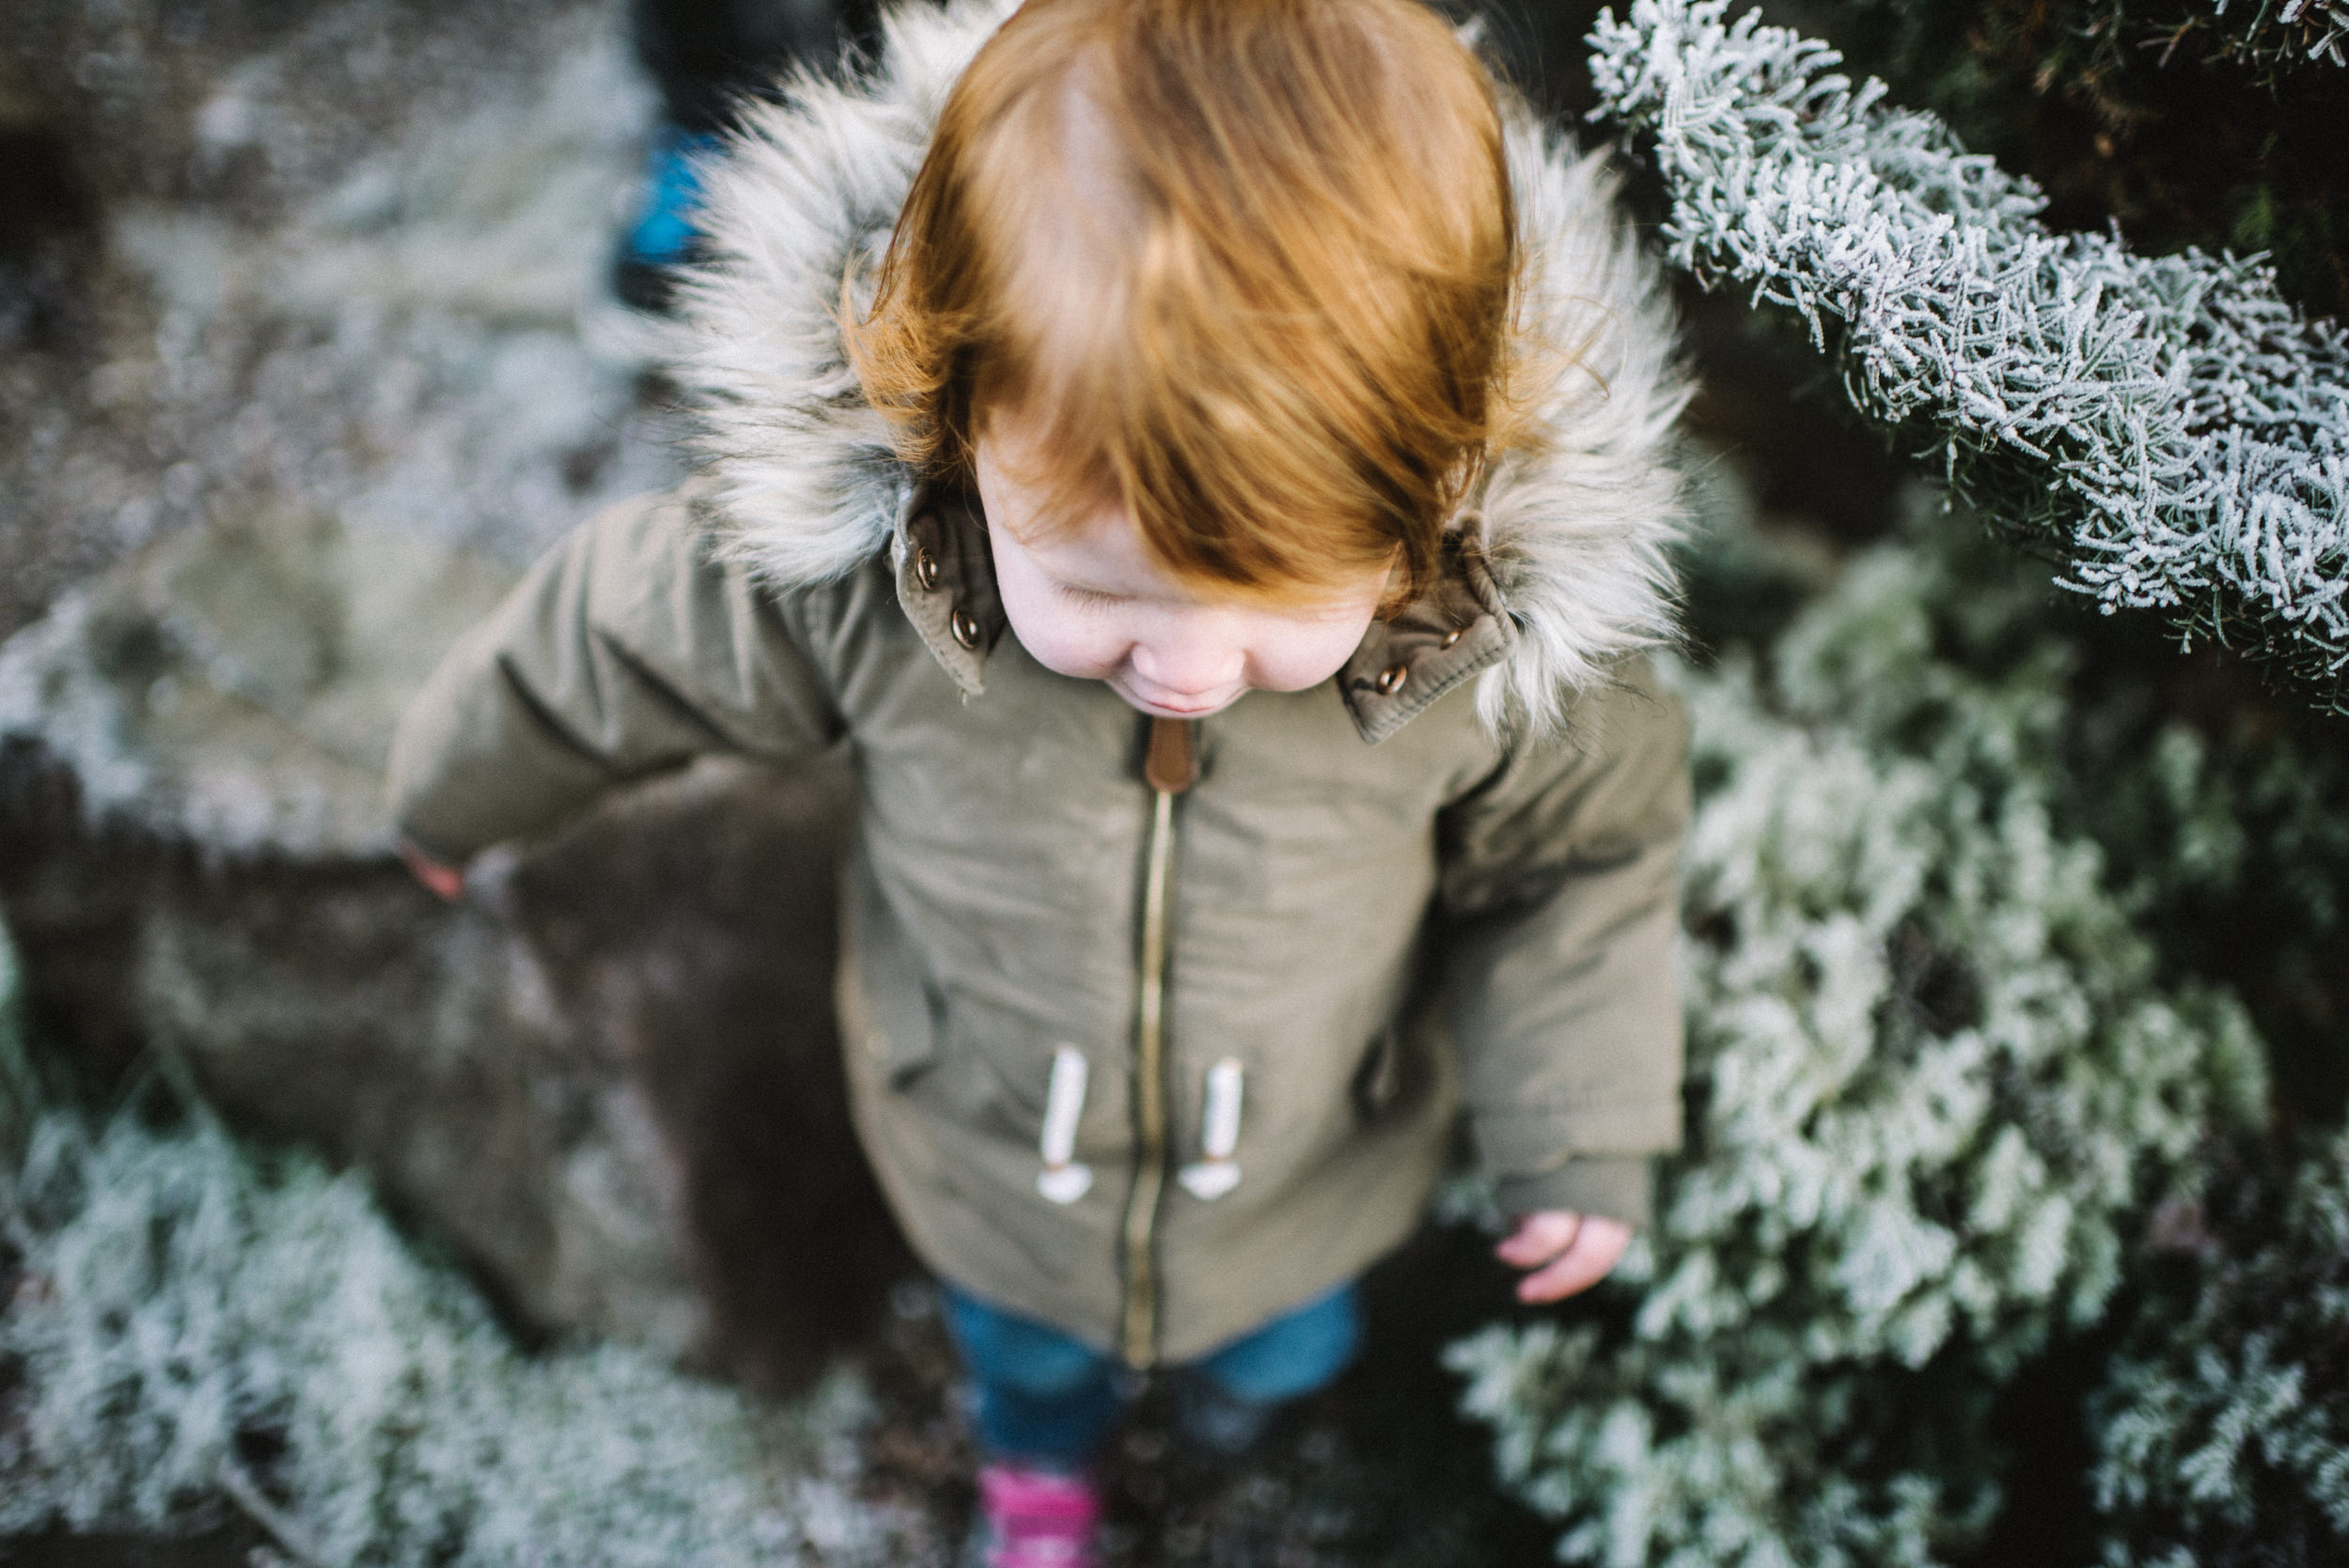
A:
(1203, 459)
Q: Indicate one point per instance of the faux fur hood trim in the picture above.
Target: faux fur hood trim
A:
(809, 488)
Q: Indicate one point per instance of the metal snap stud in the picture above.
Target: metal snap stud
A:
(964, 626)
(1390, 680)
(926, 568)
(1452, 636)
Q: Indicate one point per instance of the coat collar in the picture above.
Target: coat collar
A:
(1563, 550)
(946, 582)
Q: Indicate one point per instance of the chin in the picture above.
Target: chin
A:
(1186, 710)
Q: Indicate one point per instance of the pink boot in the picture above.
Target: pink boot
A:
(1036, 1518)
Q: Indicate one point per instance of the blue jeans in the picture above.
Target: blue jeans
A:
(1050, 1400)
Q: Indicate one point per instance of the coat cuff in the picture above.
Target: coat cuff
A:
(431, 849)
(1618, 1188)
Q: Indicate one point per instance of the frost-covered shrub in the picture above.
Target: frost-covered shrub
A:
(197, 1328)
(2272, 31)
(1935, 1076)
(2223, 1429)
(2230, 839)
(2204, 817)
(2170, 425)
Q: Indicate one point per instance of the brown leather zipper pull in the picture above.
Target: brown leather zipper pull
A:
(1172, 763)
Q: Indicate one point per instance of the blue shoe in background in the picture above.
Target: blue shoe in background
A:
(665, 234)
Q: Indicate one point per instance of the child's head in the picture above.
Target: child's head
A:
(1237, 273)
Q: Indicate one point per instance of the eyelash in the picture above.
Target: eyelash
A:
(1086, 597)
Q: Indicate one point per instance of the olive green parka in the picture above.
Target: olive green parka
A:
(1152, 1049)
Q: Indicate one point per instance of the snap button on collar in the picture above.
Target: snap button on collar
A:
(964, 626)
(1446, 636)
(926, 569)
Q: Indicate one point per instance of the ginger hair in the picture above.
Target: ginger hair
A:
(1245, 267)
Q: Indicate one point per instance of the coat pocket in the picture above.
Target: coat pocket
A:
(1378, 1075)
(903, 1032)
(993, 1075)
(891, 1015)
(891, 1011)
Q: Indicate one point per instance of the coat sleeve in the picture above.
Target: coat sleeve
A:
(1559, 898)
(626, 650)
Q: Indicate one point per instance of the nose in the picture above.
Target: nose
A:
(1190, 655)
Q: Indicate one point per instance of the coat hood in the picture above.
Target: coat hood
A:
(1573, 533)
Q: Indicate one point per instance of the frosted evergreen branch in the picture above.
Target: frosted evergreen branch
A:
(2271, 32)
(292, 1542)
(2170, 425)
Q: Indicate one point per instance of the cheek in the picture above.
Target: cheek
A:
(1055, 636)
(1291, 657)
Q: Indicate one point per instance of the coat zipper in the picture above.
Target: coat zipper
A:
(1171, 767)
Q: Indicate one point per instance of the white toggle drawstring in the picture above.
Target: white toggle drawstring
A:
(1219, 1135)
(1063, 1180)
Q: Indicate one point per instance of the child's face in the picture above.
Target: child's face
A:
(1089, 602)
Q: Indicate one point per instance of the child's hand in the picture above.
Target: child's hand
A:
(1572, 1251)
(448, 880)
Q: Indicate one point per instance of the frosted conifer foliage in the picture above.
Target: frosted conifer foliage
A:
(2170, 425)
(2278, 31)
(1934, 1074)
(202, 1330)
(2223, 1431)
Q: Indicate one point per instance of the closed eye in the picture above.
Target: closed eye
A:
(1091, 597)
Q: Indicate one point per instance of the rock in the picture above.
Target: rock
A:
(234, 688)
(338, 256)
(609, 1079)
